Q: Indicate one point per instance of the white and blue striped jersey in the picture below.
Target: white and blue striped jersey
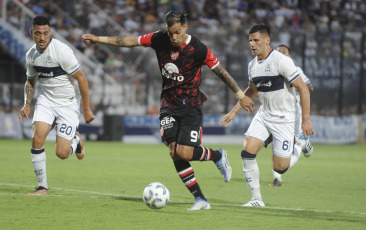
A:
(273, 77)
(53, 67)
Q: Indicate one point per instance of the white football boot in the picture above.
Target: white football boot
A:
(254, 203)
(224, 166)
(200, 204)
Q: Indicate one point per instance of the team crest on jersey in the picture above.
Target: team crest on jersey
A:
(268, 69)
(174, 55)
(48, 60)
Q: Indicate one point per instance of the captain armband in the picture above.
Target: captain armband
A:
(102, 39)
(239, 94)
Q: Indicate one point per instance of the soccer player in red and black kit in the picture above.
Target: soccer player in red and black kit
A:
(180, 57)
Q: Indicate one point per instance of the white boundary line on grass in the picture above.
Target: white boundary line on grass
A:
(114, 196)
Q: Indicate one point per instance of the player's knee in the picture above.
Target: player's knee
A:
(281, 171)
(63, 153)
(245, 154)
(37, 142)
(183, 154)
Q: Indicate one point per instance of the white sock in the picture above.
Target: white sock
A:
(295, 155)
(39, 165)
(277, 176)
(251, 174)
(74, 144)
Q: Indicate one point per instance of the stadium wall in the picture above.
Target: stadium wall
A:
(145, 129)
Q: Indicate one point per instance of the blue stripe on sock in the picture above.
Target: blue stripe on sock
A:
(37, 151)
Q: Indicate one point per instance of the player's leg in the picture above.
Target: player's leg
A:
(277, 181)
(43, 119)
(68, 140)
(251, 173)
(256, 134)
(169, 130)
(38, 154)
(307, 150)
(189, 143)
(285, 153)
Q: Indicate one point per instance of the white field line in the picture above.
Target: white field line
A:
(100, 195)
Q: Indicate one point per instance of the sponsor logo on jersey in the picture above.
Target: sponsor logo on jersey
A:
(174, 55)
(170, 70)
(50, 74)
(268, 84)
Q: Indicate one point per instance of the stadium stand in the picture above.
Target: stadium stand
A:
(322, 35)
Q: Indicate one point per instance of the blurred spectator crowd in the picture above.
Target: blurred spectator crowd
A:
(221, 24)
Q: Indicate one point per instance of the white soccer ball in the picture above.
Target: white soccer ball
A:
(156, 195)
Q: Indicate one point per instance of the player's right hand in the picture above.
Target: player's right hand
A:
(227, 118)
(90, 39)
(24, 112)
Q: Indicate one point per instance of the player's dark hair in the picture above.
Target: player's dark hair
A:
(173, 17)
(40, 21)
(282, 45)
(261, 28)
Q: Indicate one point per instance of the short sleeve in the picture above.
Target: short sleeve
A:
(68, 61)
(288, 69)
(31, 72)
(211, 60)
(145, 40)
(303, 76)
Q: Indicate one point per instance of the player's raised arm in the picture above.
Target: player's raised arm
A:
(122, 41)
(244, 101)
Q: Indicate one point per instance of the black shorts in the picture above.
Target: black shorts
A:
(183, 126)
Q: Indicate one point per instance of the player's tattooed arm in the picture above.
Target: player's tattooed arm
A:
(126, 41)
(120, 41)
(227, 78)
(29, 90)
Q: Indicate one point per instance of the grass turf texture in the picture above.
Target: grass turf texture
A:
(104, 190)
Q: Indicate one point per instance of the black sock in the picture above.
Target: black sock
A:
(202, 153)
(186, 173)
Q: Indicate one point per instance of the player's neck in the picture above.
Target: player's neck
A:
(264, 54)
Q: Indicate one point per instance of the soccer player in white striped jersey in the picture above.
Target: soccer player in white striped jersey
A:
(272, 77)
(308, 149)
(54, 64)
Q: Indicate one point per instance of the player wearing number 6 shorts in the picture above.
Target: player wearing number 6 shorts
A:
(54, 65)
(273, 77)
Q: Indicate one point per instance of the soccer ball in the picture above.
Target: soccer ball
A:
(156, 195)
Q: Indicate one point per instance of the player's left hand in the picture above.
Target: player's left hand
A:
(88, 115)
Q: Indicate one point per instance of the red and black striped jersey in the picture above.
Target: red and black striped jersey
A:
(180, 68)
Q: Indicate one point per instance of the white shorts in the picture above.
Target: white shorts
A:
(66, 118)
(283, 134)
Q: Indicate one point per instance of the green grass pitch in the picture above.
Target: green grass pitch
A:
(104, 190)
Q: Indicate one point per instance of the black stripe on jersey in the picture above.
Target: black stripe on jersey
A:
(269, 83)
(49, 72)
